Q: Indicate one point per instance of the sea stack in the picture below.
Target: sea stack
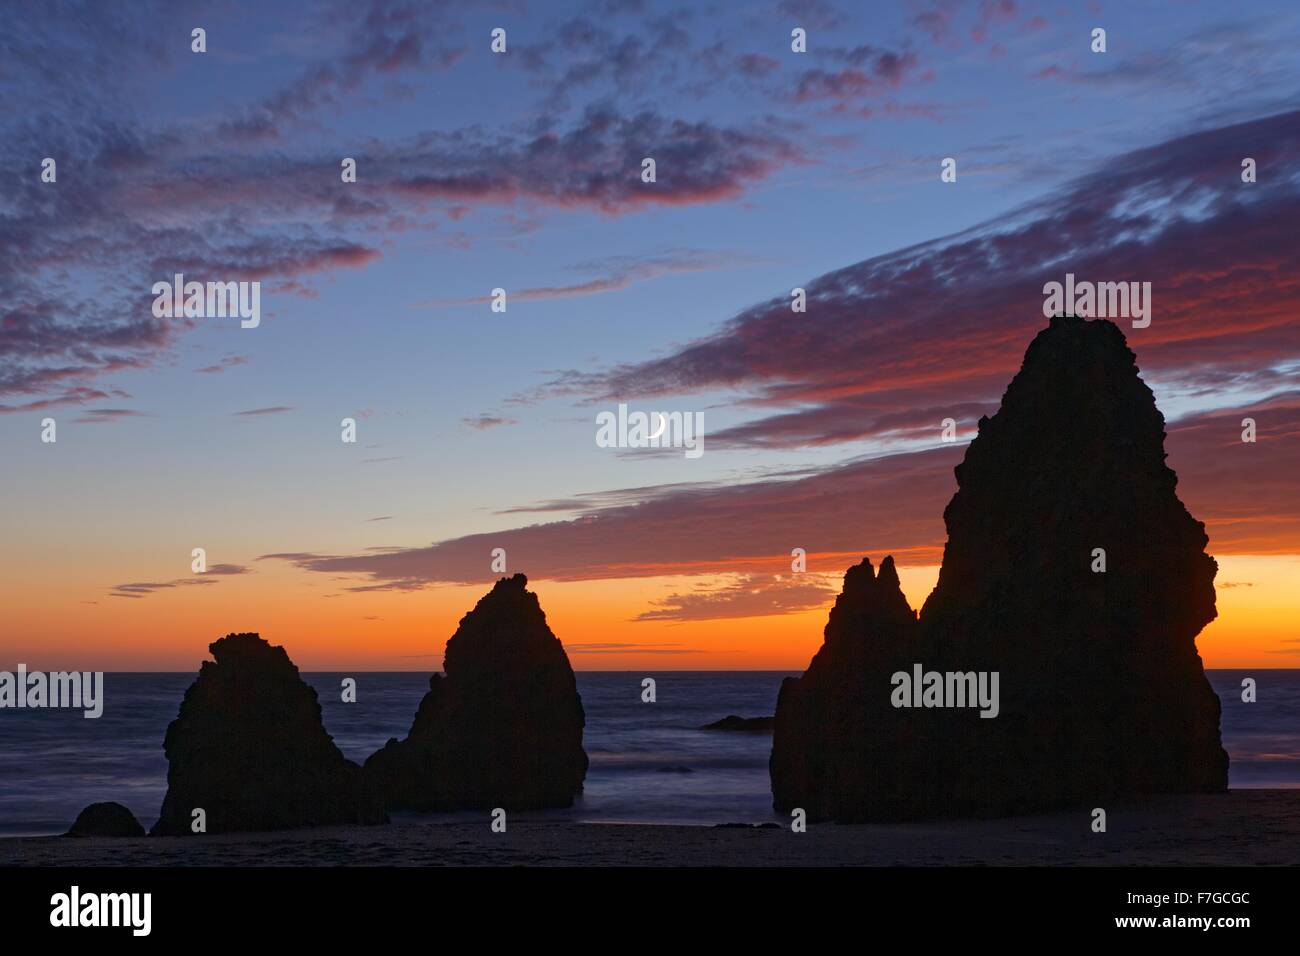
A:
(501, 727)
(249, 750)
(830, 752)
(1074, 574)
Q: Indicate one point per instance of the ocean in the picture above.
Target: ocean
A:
(650, 763)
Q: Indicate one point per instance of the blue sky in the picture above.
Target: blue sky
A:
(521, 170)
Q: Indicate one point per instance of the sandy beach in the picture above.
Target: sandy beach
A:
(1238, 828)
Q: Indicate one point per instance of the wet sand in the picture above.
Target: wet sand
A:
(1241, 827)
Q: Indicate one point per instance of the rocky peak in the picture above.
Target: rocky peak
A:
(1074, 573)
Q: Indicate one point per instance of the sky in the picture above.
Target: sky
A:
(522, 170)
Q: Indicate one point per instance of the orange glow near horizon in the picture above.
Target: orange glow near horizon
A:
(326, 628)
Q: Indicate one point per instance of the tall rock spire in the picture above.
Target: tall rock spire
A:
(1073, 571)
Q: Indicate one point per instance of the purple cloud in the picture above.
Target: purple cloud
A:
(258, 412)
(751, 596)
(229, 361)
(141, 589)
(940, 325)
(484, 422)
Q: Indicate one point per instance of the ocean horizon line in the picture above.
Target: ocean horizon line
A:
(579, 670)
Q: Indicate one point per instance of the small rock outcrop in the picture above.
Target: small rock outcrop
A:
(747, 725)
(501, 727)
(249, 749)
(1073, 572)
(108, 819)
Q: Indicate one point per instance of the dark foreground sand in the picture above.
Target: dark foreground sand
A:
(1242, 827)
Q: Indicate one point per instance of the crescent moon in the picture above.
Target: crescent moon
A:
(663, 426)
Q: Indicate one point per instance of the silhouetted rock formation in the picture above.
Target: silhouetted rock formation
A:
(249, 749)
(747, 725)
(835, 736)
(1102, 692)
(107, 819)
(503, 728)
